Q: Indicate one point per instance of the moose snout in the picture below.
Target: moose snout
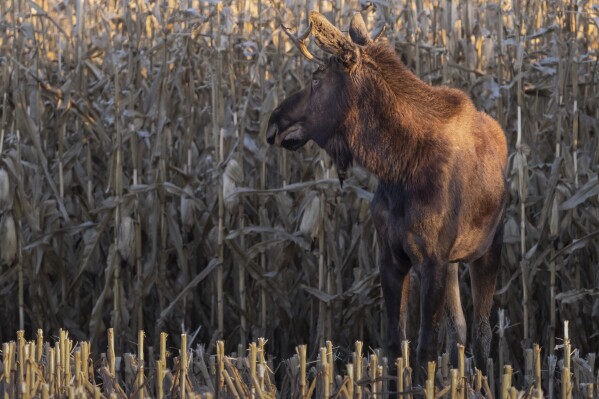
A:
(271, 133)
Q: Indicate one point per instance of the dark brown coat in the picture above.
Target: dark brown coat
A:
(441, 169)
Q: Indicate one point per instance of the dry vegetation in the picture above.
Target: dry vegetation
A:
(137, 190)
(66, 369)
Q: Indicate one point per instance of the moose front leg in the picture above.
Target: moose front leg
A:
(394, 277)
(395, 285)
(432, 301)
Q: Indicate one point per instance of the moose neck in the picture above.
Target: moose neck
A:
(395, 127)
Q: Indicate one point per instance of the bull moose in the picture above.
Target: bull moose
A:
(440, 165)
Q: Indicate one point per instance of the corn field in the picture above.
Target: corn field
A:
(137, 191)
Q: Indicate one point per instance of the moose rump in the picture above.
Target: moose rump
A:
(440, 164)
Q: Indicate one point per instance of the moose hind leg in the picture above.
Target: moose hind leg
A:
(454, 315)
(483, 275)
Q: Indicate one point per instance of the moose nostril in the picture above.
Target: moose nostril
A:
(271, 133)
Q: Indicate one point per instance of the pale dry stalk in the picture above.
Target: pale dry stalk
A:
(140, 376)
(301, 350)
(506, 384)
(324, 373)
(429, 388)
(183, 364)
(358, 367)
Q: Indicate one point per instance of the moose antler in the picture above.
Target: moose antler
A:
(332, 41)
(300, 43)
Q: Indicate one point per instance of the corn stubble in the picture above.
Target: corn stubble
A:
(137, 191)
(67, 370)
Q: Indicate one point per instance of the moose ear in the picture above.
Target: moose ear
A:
(378, 33)
(358, 31)
(331, 40)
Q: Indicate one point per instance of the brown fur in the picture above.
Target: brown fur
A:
(441, 169)
(410, 119)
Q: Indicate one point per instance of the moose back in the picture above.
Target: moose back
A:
(440, 163)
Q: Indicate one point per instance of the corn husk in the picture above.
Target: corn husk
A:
(8, 240)
(310, 225)
(5, 194)
(187, 209)
(231, 179)
(126, 244)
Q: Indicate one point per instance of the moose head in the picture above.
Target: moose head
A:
(320, 111)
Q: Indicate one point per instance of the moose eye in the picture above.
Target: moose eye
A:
(315, 82)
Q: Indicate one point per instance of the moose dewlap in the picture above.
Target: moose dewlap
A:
(441, 169)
